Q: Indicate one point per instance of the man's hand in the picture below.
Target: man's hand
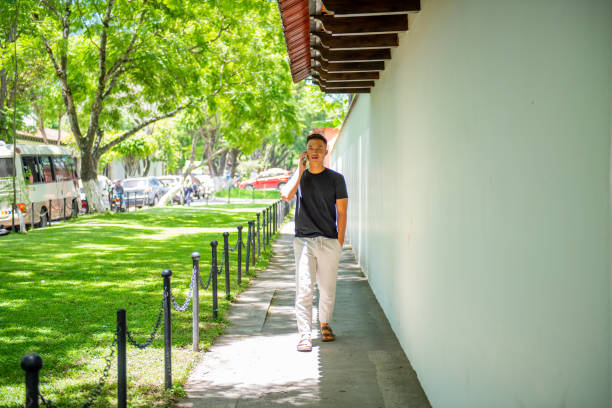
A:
(303, 161)
(289, 190)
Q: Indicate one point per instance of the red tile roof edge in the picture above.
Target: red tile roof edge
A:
(297, 35)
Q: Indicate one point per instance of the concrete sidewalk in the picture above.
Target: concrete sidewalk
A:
(255, 364)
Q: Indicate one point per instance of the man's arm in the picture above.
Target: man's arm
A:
(289, 190)
(341, 206)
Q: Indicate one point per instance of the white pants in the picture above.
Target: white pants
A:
(315, 259)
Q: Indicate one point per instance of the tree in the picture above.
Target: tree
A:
(123, 65)
(255, 97)
(314, 109)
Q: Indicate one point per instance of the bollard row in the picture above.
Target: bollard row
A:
(272, 218)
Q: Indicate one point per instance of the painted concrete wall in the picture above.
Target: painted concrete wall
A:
(610, 219)
(479, 181)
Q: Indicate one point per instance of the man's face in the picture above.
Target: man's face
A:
(316, 150)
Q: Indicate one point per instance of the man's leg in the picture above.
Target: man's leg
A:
(328, 255)
(304, 281)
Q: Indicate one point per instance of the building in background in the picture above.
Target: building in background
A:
(52, 136)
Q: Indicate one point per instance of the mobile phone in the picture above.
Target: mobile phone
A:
(304, 160)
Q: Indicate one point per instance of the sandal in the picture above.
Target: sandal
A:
(327, 334)
(305, 344)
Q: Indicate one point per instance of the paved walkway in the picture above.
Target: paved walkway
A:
(255, 364)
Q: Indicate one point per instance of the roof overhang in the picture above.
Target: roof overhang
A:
(343, 44)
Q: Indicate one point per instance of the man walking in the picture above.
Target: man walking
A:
(320, 224)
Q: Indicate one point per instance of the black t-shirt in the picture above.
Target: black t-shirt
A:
(315, 214)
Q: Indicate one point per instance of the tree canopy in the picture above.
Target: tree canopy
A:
(109, 70)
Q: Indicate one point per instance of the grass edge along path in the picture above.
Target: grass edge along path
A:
(249, 193)
(68, 315)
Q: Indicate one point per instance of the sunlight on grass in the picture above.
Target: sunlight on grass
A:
(63, 285)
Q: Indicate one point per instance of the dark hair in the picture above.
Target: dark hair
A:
(316, 136)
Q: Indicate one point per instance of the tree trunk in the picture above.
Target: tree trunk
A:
(222, 163)
(3, 92)
(147, 167)
(233, 162)
(59, 127)
(89, 176)
(266, 157)
(41, 122)
(3, 87)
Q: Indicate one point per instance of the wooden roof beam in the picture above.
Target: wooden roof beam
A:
(347, 84)
(363, 25)
(345, 90)
(354, 55)
(337, 67)
(345, 76)
(336, 43)
(370, 7)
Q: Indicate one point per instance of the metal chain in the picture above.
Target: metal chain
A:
(222, 264)
(205, 287)
(220, 270)
(236, 246)
(153, 334)
(185, 305)
(105, 374)
(96, 391)
(46, 403)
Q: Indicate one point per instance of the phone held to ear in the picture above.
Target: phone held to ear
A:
(304, 160)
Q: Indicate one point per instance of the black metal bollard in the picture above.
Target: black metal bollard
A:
(64, 207)
(50, 212)
(226, 256)
(121, 358)
(274, 216)
(213, 271)
(270, 224)
(195, 324)
(166, 274)
(258, 238)
(248, 249)
(267, 225)
(263, 227)
(252, 242)
(31, 364)
(239, 271)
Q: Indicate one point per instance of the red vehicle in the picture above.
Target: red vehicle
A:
(272, 178)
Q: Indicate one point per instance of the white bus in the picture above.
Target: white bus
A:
(46, 184)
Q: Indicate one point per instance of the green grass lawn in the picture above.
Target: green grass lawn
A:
(247, 193)
(61, 286)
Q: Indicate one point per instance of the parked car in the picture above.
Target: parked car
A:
(271, 178)
(142, 191)
(169, 183)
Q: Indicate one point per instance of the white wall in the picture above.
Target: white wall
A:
(610, 220)
(479, 181)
